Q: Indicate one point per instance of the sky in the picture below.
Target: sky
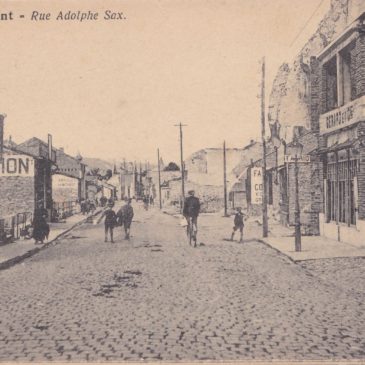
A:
(115, 89)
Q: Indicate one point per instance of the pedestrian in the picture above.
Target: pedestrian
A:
(125, 217)
(238, 224)
(109, 222)
(40, 225)
(145, 202)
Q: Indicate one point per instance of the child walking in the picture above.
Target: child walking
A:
(238, 224)
(110, 221)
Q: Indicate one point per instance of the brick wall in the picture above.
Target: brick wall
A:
(16, 195)
(359, 58)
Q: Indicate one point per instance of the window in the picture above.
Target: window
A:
(339, 80)
(347, 83)
(331, 84)
(342, 168)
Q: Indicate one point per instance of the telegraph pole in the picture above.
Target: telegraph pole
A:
(225, 178)
(182, 164)
(2, 117)
(264, 193)
(159, 177)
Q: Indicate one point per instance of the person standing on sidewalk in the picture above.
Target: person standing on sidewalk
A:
(110, 221)
(125, 217)
(238, 224)
(40, 225)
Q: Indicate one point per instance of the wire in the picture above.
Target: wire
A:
(306, 23)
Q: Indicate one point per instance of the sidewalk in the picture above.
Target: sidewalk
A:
(313, 247)
(281, 238)
(18, 250)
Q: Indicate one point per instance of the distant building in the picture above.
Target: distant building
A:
(68, 182)
(45, 164)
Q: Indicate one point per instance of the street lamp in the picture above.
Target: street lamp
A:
(295, 149)
(276, 142)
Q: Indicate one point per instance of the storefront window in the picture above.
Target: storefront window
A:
(342, 169)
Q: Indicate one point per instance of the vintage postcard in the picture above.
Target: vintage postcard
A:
(182, 181)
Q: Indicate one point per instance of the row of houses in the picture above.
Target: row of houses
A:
(34, 174)
(318, 101)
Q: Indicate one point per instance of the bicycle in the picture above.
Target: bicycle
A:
(191, 232)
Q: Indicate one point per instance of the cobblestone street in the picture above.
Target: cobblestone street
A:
(156, 298)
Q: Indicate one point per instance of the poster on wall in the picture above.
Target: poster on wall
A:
(256, 185)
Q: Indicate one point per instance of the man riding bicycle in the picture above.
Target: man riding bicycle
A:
(191, 211)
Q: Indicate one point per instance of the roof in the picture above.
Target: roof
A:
(238, 186)
(37, 148)
(15, 150)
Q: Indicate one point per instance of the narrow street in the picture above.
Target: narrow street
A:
(156, 298)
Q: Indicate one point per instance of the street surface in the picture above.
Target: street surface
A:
(156, 298)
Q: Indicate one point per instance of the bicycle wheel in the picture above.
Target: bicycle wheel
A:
(190, 233)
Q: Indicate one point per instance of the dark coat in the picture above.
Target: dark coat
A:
(191, 207)
(40, 225)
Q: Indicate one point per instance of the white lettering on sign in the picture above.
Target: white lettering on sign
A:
(17, 165)
(301, 159)
(256, 185)
(346, 115)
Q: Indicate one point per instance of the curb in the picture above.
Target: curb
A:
(18, 259)
(278, 251)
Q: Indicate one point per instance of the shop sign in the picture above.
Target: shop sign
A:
(344, 116)
(256, 185)
(64, 188)
(64, 182)
(301, 159)
(17, 165)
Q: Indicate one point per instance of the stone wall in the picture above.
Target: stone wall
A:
(16, 195)
(211, 197)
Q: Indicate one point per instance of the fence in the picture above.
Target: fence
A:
(65, 209)
(14, 227)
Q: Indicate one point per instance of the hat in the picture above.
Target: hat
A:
(190, 192)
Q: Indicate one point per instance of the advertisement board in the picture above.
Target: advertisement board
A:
(256, 185)
(17, 165)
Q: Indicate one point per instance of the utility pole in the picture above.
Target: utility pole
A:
(182, 164)
(2, 117)
(159, 177)
(264, 193)
(225, 178)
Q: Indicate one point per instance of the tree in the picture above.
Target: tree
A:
(172, 166)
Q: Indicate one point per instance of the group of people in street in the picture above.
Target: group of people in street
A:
(122, 218)
(88, 206)
(191, 212)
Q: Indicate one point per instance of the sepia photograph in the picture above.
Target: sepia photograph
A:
(182, 181)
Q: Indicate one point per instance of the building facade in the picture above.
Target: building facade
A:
(338, 117)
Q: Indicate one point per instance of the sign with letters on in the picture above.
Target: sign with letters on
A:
(256, 185)
(344, 116)
(301, 159)
(17, 165)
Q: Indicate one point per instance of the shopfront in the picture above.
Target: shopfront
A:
(340, 155)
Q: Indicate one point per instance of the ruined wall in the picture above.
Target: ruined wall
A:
(290, 96)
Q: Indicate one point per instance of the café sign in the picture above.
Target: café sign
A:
(344, 116)
(17, 165)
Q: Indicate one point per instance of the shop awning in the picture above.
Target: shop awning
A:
(333, 148)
